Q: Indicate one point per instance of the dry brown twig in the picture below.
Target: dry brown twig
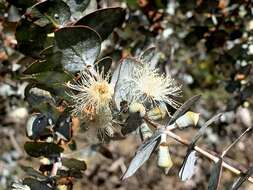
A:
(206, 153)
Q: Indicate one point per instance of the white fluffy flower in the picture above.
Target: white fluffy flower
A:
(91, 94)
(147, 85)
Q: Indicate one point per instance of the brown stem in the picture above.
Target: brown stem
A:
(236, 141)
(206, 154)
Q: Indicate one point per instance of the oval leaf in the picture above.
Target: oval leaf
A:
(104, 20)
(142, 155)
(79, 46)
(188, 166)
(57, 12)
(37, 149)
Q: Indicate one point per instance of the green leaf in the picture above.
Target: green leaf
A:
(37, 149)
(36, 185)
(22, 3)
(104, 20)
(51, 63)
(79, 45)
(32, 172)
(214, 180)
(104, 65)
(31, 38)
(57, 12)
(51, 81)
(74, 164)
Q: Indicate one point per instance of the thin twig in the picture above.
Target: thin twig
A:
(236, 141)
(206, 154)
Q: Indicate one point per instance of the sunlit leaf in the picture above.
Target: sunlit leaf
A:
(123, 71)
(214, 180)
(79, 46)
(188, 165)
(103, 20)
(142, 155)
(150, 57)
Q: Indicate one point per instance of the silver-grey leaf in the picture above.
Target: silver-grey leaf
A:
(188, 166)
(142, 155)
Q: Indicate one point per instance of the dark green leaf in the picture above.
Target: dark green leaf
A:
(52, 63)
(57, 12)
(214, 180)
(74, 164)
(36, 185)
(37, 127)
(31, 38)
(104, 65)
(32, 172)
(37, 149)
(22, 3)
(79, 46)
(104, 20)
(63, 128)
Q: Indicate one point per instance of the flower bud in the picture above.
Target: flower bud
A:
(188, 119)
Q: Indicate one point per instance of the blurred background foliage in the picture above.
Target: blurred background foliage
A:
(207, 45)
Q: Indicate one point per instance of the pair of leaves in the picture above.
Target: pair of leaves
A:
(147, 148)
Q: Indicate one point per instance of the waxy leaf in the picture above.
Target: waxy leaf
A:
(214, 180)
(104, 20)
(142, 155)
(104, 65)
(188, 165)
(51, 63)
(124, 71)
(37, 149)
(239, 181)
(150, 57)
(31, 38)
(79, 46)
(184, 108)
(57, 12)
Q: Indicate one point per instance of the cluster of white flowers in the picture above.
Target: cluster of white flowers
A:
(94, 95)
